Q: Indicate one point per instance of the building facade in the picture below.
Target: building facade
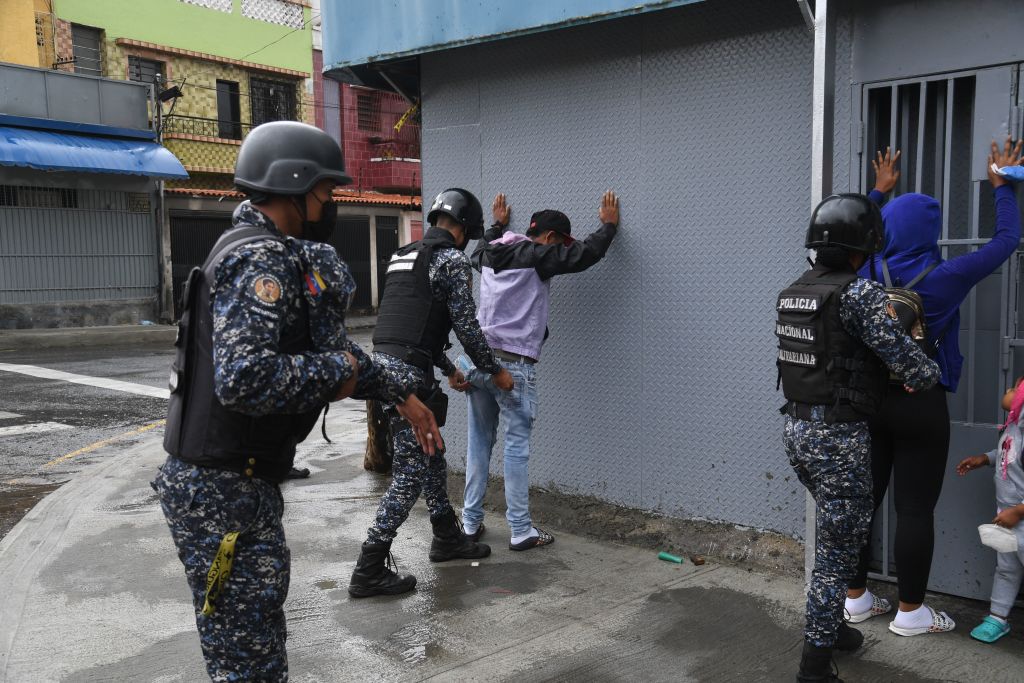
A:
(80, 207)
(699, 114)
(217, 68)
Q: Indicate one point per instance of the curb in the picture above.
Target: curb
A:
(67, 337)
(114, 335)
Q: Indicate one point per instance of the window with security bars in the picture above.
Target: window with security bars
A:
(271, 100)
(368, 111)
(145, 70)
(219, 5)
(275, 12)
(38, 197)
(86, 47)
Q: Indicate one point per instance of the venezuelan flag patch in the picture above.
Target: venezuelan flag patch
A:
(315, 283)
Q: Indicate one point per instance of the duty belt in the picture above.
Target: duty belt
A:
(408, 354)
(513, 357)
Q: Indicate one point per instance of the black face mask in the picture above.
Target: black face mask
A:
(321, 230)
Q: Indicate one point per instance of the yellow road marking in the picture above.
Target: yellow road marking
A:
(104, 442)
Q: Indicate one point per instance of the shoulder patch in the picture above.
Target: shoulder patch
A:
(267, 288)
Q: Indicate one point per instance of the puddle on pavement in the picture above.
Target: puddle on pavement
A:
(462, 586)
(17, 499)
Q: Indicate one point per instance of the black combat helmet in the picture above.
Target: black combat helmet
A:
(288, 158)
(850, 221)
(461, 205)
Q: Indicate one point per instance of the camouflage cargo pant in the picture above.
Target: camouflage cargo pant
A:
(244, 638)
(413, 472)
(834, 463)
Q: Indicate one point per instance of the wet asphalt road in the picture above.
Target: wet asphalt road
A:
(33, 464)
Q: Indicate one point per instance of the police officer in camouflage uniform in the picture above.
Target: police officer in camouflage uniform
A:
(261, 351)
(838, 346)
(428, 291)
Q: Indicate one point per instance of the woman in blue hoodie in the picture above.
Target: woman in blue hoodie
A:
(910, 433)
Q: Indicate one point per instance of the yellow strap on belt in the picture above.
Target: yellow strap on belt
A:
(219, 571)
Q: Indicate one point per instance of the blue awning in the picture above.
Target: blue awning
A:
(53, 151)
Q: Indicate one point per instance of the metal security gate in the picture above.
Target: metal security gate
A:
(387, 243)
(352, 240)
(82, 245)
(943, 125)
(193, 234)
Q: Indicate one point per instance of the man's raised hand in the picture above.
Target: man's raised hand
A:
(501, 211)
(609, 211)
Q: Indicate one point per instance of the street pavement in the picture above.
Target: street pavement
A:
(93, 590)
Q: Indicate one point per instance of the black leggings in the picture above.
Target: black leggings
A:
(910, 441)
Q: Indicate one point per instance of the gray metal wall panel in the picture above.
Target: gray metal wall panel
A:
(712, 106)
(656, 389)
(43, 93)
(901, 38)
(99, 252)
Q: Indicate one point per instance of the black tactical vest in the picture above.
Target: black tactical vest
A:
(199, 429)
(411, 326)
(819, 362)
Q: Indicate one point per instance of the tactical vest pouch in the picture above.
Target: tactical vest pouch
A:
(436, 400)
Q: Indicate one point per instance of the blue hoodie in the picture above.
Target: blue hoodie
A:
(913, 226)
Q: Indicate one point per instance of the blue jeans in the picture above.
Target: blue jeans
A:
(519, 409)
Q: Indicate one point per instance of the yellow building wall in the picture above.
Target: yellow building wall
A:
(202, 156)
(196, 143)
(18, 32)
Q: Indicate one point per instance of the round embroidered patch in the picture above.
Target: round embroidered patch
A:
(267, 289)
(891, 310)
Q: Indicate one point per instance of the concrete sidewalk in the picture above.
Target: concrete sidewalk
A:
(93, 591)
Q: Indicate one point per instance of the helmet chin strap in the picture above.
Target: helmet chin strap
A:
(300, 208)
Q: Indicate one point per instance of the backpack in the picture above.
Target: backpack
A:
(906, 307)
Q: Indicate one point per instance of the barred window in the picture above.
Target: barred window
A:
(274, 11)
(368, 111)
(86, 45)
(271, 100)
(38, 197)
(219, 5)
(145, 70)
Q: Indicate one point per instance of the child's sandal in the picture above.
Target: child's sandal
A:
(990, 630)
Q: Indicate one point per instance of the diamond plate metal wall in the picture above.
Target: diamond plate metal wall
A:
(657, 387)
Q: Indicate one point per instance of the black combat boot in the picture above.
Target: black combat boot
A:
(373, 574)
(451, 543)
(816, 665)
(848, 639)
